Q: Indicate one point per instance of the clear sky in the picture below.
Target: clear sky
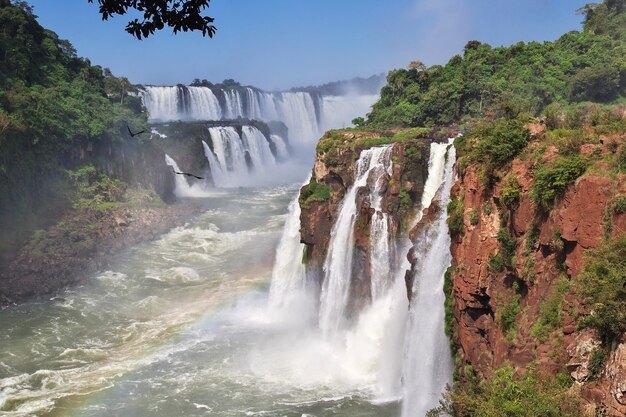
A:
(277, 44)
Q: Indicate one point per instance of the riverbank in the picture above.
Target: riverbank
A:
(81, 243)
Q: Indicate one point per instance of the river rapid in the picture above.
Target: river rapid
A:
(181, 327)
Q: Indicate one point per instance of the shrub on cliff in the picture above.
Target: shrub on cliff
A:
(456, 213)
(94, 189)
(601, 284)
(314, 191)
(507, 395)
(510, 192)
(494, 144)
(553, 178)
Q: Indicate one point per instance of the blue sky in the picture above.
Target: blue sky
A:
(276, 44)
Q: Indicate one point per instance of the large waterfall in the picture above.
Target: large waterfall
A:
(338, 264)
(427, 365)
(247, 157)
(371, 342)
(306, 115)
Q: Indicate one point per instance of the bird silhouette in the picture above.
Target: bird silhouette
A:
(187, 174)
(132, 135)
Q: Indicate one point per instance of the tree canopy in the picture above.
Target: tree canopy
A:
(578, 67)
(179, 15)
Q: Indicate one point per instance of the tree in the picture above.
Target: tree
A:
(417, 65)
(179, 15)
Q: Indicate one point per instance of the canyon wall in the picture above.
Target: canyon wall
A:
(333, 174)
(527, 311)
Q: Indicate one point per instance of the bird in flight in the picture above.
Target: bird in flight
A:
(187, 174)
(132, 135)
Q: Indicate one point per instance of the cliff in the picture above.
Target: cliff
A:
(523, 236)
(334, 173)
(535, 296)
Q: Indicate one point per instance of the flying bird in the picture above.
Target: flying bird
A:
(132, 135)
(187, 174)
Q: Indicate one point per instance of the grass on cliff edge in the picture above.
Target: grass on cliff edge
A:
(334, 141)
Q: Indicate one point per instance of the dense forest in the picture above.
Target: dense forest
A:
(576, 68)
(51, 101)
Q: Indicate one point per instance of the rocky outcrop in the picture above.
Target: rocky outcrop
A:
(500, 311)
(335, 169)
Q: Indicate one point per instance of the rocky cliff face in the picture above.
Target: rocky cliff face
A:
(523, 310)
(333, 174)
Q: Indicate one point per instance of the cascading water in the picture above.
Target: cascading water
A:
(218, 174)
(338, 263)
(427, 362)
(238, 160)
(306, 115)
(288, 275)
(282, 151)
(259, 149)
(181, 185)
(369, 346)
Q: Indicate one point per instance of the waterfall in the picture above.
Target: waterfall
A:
(236, 160)
(182, 187)
(363, 347)
(306, 115)
(282, 151)
(338, 263)
(218, 174)
(288, 275)
(259, 149)
(427, 361)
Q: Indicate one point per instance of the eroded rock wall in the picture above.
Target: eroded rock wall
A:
(548, 256)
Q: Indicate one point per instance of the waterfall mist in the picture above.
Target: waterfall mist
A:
(390, 349)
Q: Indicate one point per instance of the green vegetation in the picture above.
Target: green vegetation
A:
(494, 144)
(596, 363)
(456, 213)
(510, 192)
(335, 141)
(405, 199)
(473, 217)
(601, 285)
(619, 205)
(94, 189)
(314, 191)
(449, 303)
(507, 247)
(509, 395)
(577, 67)
(551, 311)
(53, 105)
(508, 311)
(552, 179)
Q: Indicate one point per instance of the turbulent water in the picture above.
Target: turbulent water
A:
(218, 318)
(181, 326)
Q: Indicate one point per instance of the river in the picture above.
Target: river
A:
(181, 327)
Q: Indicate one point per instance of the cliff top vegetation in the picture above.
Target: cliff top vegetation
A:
(485, 81)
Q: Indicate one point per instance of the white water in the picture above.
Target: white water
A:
(325, 348)
(282, 152)
(338, 264)
(259, 149)
(289, 276)
(296, 109)
(427, 361)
